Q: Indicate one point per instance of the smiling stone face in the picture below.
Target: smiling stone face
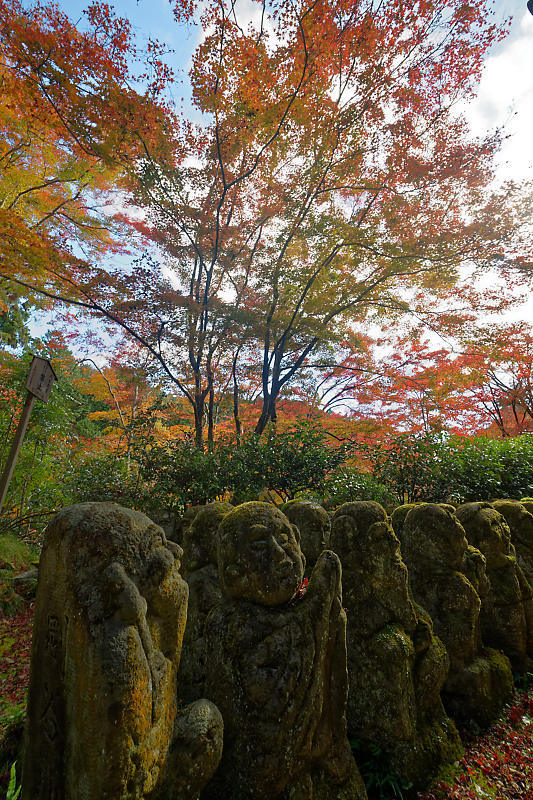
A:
(432, 537)
(487, 530)
(259, 556)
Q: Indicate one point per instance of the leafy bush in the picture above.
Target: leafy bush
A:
(409, 467)
(287, 463)
(347, 484)
(443, 467)
(101, 478)
(516, 473)
(15, 556)
(172, 477)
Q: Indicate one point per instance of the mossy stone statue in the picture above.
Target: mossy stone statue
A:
(398, 518)
(200, 536)
(527, 502)
(182, 524)
(520, 521)
(109, 622)
(507, 609)
(396, 664)
(201, 573)
(277, 667)
(434, 547)
(314, 525)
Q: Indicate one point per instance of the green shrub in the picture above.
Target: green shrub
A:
(15, 556)
(348, 484)
(101, 478)
(443, 467)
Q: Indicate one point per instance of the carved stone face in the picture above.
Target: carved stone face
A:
(259, 556)
(200, 538)
(363, 538)
(434, 536)
(486, 529)
(519, 520)
(314, 525)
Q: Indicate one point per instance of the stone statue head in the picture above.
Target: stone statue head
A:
(363, 538)
(434, 537)
(200, 538)
(519, 519)
(398, 518)
(259, 555)
(117, 555)
(314, 525)
(487, 530)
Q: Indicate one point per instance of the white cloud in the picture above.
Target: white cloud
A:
(505, 97)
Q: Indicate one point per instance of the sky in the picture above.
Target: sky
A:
(505, 94)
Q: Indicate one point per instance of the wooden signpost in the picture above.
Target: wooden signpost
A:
(39, 384)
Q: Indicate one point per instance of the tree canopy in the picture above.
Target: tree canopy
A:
(324, 180)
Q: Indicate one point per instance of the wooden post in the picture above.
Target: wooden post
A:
(39, 384)
(15, 447)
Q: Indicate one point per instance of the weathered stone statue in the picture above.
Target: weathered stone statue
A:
(527, 502)
(200, 568)
(507, 609)
(520, 521)
(396, 665)
(182, 524)
(314, 525)
(398, 518)
(434, 547)
(109, 621)
(277, 667)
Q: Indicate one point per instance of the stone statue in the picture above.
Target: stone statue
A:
(109, 622)
(434, 547)
(398, 518)
(277, 666)
(182, 524)
(200, 568)
(396, 665)
(314, 525)
(520, 521)
(507, 609)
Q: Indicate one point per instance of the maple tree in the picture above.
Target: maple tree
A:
(330, 181)
(331, 176)
(498, 367)
(478, 383)
(65, 112)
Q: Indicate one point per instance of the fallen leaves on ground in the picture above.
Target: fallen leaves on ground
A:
(15, 651)
(497, 765)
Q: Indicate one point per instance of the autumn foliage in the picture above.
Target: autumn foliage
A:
(328, 184)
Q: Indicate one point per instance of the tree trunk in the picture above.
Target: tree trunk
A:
(210, 409)
(199, 421)
(238, 426)
(268, 414)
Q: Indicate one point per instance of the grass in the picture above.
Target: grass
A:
(15, 556)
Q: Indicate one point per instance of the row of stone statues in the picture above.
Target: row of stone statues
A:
(296, 655)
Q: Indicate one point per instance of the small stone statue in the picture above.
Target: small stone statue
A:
(277, 667)
(396, 665)
(520, 521)
(398, 518)
(182, 524)
(201, 573)
(314, 525)
(109, 622)
(507, 609)
(434, 547)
